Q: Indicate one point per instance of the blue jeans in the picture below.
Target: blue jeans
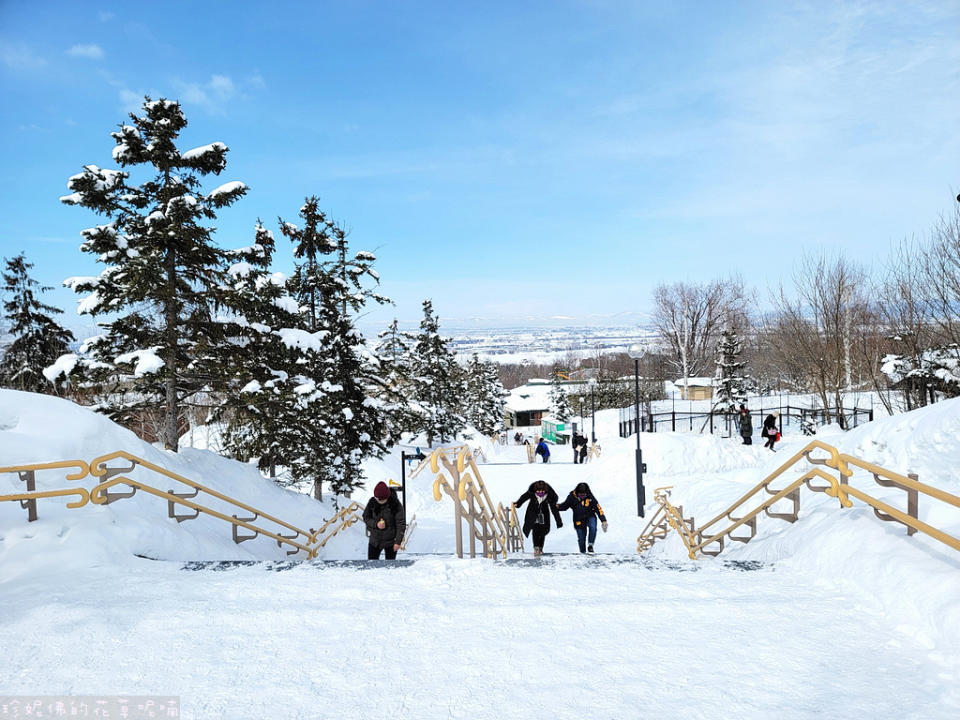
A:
(588, 524)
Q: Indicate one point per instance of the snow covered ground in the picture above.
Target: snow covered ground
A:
(837, 615)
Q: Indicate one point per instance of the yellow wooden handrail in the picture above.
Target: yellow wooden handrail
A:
(468, 487)
(832, 489)
(341, 515)
(837, 487)
(82, 492)
(84, 469)
(97, 496)
(98, 468)
(833, 461)
(904, 481)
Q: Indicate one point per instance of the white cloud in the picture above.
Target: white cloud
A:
(19, 57)
(212, 95)
(105, 16)
(88, 51)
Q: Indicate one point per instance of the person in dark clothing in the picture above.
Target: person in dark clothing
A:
(575, 444)
(385, 523)
(586, 510)
(583, 449)
(770, 431)
(746, 425)
(543, 502)
(543, 451)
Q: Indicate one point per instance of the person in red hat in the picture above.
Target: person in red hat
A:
(385, 523)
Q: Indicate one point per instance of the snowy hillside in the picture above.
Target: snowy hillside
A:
(839, 607)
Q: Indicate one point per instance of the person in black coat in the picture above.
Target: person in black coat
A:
(746, 425)
(385, 523)
(586, 510)
(770, 431)
(543, 502)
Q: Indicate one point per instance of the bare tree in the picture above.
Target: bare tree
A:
(689, 318)
(903, 302)
(941, 268)
(815, 326)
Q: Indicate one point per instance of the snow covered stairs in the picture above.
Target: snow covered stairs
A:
(551, 560)
(709, 539)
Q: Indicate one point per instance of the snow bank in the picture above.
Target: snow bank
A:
(40, 428)
(914, 580)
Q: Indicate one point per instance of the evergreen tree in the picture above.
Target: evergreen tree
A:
(394, 352)
(259, 407)
(36, 338)
(340, 422)
(485, 396)
(163, 269)
(437, 381)
(559, 402)
(356, 428)
(729, 381)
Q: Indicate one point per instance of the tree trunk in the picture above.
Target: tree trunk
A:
(170, 311)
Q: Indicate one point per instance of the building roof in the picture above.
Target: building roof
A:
(695, 382)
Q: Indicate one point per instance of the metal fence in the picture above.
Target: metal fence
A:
(727, 424)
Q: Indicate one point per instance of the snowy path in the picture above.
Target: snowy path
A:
(443, 637)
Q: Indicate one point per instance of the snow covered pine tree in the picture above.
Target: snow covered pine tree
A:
(260, 408)
(38, 340)
(342, 423)
(485, 396)
(438, 385)
(559, 401)
(729, 381)
(163, 269)
(394, 352)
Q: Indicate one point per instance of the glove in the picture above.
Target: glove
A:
(604, 525)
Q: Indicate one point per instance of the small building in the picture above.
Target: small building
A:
(554, 431)
(697, 388)
(527, 405)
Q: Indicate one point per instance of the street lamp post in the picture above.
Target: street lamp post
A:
(593, 412)
(636, 351)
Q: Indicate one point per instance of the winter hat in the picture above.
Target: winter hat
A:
(381, 491)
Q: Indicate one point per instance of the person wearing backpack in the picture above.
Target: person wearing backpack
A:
(543, 451)
(385, 523)
(543, 502)
(586, 510)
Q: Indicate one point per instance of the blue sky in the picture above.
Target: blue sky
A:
(507, 159)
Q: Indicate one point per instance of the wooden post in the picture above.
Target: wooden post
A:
(472, 522)
(31, 505)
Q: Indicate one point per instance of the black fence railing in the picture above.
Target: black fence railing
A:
(727, 424)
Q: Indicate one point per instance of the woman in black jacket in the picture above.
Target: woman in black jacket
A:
(543, 501)
(385, 523)
(586, 510)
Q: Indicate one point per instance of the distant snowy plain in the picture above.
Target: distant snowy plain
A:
(841, 615)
